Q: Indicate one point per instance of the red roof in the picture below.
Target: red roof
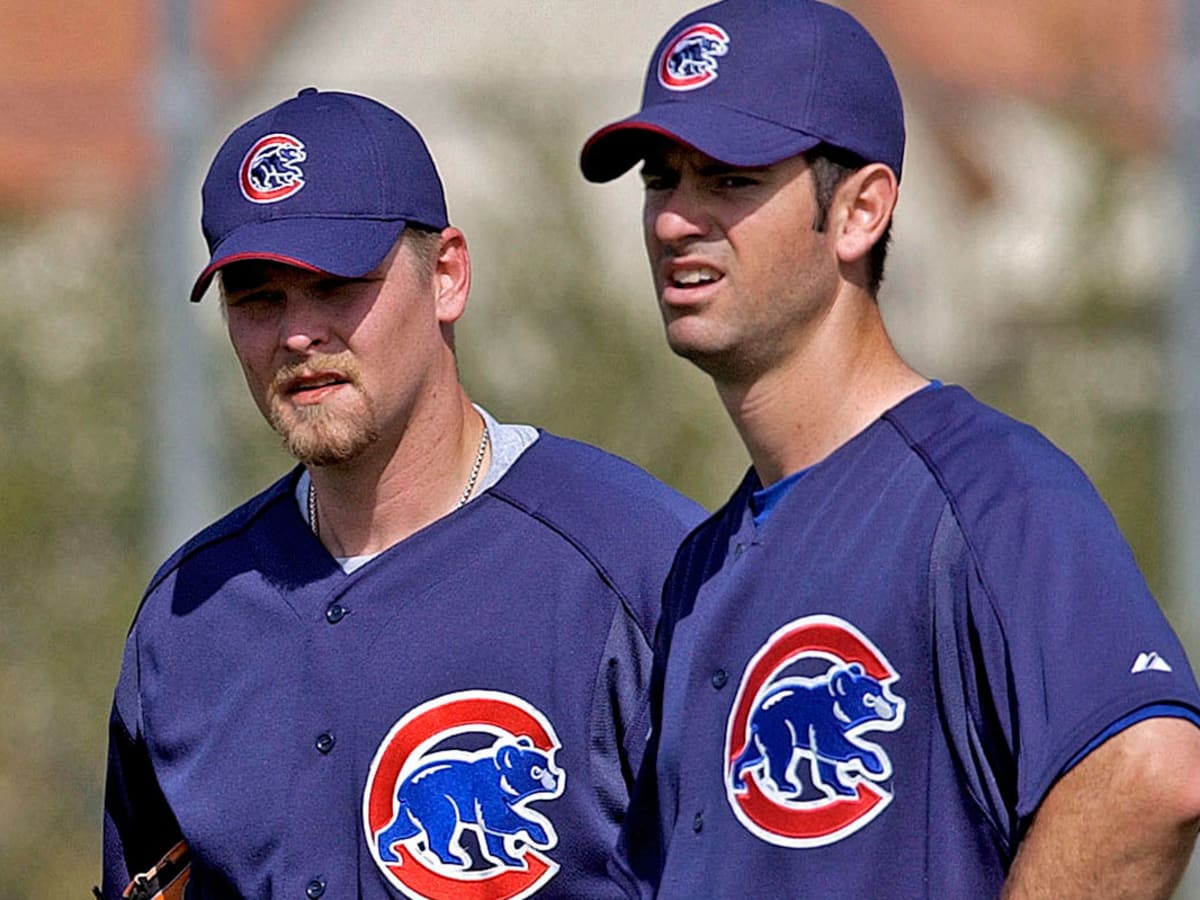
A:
(1106, 62)
(75, 77)
(75, 81)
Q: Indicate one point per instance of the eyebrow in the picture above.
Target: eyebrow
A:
(708, 170)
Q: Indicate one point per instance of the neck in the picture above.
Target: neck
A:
(380, 498)
(805, 406)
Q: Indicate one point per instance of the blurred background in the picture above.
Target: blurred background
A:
(1044, 258)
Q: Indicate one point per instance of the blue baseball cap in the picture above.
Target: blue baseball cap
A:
(753, 82)
(324, 181)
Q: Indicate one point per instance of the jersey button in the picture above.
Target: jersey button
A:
(335, 612)
(698, 822)
(719, 678)
(325, 741)
(738, 550)
(315, 889)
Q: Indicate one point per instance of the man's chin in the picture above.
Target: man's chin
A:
(719, 362)
(324, 440)
(689, 341)
(321, 455)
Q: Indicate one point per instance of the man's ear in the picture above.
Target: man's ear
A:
(451, 276)
(865, 201)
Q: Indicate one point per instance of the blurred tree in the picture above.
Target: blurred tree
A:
(1086, 367)
(72, 447)
(558, 342)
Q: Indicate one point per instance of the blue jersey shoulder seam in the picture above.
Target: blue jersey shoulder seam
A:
(951, 500)
(228, 526)
(580, 548)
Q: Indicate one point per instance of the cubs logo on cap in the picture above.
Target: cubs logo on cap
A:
(425, 792)
(778, 78)
(326, 181)
(798, 769)
(271, 169)
(690, 60)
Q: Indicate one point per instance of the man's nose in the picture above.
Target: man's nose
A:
(677, 215)
(303, 327)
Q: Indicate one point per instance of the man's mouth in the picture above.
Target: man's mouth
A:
(311, 389)
(312, 384)
(693, 277)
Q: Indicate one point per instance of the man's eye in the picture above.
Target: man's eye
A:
(254, 300)
(658, 181)
(737, 181)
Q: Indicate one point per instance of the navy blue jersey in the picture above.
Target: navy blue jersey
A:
(869, 694)
(461, 717)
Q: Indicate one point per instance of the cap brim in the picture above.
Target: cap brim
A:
(349, 248)
(725, 134)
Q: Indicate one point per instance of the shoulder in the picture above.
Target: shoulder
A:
(219, 539)
(990, 465)
(1031, 521)
(703, 552)
(1039, 536)
(968, 444)
(623, 520)
(572, 482)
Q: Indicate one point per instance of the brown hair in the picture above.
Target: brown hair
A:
(830, 167)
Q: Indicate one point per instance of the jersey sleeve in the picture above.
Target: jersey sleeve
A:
(620, 714)
(1066, 636)
(139, 825)
(637, 860)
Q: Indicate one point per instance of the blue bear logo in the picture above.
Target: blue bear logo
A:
(486, 791)
(277, 167)
(695, 56)
(818, 720)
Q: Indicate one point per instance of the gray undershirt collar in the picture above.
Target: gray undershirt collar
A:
(508, 442)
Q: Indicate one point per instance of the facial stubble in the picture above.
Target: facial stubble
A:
(323, 434)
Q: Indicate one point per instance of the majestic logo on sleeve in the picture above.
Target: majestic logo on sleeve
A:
(690, 60)
(447, 823)
(798, 772)
(271, 169)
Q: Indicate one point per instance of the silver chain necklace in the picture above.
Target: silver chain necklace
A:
(484, 440)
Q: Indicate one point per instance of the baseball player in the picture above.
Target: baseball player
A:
(912, 656)
(416, 666)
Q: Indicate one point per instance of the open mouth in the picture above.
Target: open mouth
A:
(313, 388)
(694, 277)
(686, 284)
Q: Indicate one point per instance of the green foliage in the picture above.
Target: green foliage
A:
(73, 450)
(552, 339)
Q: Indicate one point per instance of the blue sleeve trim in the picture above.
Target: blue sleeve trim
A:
(1158, 710)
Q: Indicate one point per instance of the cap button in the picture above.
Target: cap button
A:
(307, 90)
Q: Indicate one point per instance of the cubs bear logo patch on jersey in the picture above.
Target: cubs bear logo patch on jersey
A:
(798, 771)
(690, 60)
(447, 823)
(271, 170)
